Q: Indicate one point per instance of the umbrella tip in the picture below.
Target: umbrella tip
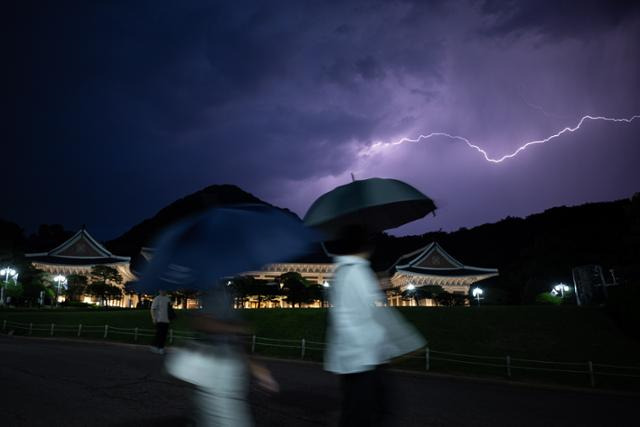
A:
(353, 178)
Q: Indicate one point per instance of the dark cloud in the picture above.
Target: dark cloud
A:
(560, 18)
(134, 104)
(369, 68)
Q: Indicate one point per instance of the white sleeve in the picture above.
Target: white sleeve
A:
(356, 311)
(154, 309)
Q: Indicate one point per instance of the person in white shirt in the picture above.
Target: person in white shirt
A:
(160, 318)
(362, 336)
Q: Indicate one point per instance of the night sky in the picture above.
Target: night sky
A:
(122, 107)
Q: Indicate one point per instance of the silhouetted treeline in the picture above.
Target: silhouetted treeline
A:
(532, 253)
(14, 242)
(535, 252)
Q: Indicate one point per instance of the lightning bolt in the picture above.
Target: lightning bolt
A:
(381, 145)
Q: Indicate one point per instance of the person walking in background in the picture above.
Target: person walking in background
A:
(362, 336)
(160, 318)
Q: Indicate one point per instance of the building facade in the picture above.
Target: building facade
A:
(429, 266)
(78, 255)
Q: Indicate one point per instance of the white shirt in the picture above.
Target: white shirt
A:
(362, 335)
(160, 309)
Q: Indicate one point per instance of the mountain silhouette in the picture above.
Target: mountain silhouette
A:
(142, 234)
(536, 252)
(532, 253)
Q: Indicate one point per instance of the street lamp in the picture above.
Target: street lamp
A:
(411, 289)
(60, 280)
(323, 294)
(477, 294)
(560, 288)
(6, 272)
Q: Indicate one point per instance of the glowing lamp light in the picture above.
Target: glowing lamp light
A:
(560, 288)
(60, 280)
(411, 287)
(325, 284)
(477, 294)
(8, 272)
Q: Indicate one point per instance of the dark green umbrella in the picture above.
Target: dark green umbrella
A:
(375, 203)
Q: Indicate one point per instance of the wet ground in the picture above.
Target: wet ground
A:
(75, 383)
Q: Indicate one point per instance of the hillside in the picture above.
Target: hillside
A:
(215, 195)
(535, 252)
(532, 253)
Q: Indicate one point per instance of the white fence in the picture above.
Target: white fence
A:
(81, 330)
(506, 364)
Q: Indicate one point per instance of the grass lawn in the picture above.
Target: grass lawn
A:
(564, 333)
(546, 333)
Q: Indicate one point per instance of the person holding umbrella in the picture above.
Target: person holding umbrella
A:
(218, 365)
(197, 253)
(362, 336)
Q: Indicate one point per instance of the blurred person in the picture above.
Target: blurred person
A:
(194, 254)
(218, 364)
(160, 317)
(362, 336)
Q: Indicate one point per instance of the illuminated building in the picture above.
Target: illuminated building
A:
(78, 255)
(316, 268)
(431, 265)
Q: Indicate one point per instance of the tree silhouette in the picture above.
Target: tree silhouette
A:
(423, 292)
(105, 274)
(101, 285)
(76, 286)
(295, 288)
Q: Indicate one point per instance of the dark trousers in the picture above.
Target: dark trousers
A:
(161, 334)
(364, 398)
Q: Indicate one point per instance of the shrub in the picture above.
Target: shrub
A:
(76, 304)
(546, 298)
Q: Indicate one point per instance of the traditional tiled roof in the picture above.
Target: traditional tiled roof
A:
(432, 260)
(80, 249)
(44, 259)
(457, 272)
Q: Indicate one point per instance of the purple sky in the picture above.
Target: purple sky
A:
(122, 109)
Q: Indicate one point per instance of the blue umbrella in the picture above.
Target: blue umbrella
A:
(197, 252)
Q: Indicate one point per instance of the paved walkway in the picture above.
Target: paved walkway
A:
(66, 383)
